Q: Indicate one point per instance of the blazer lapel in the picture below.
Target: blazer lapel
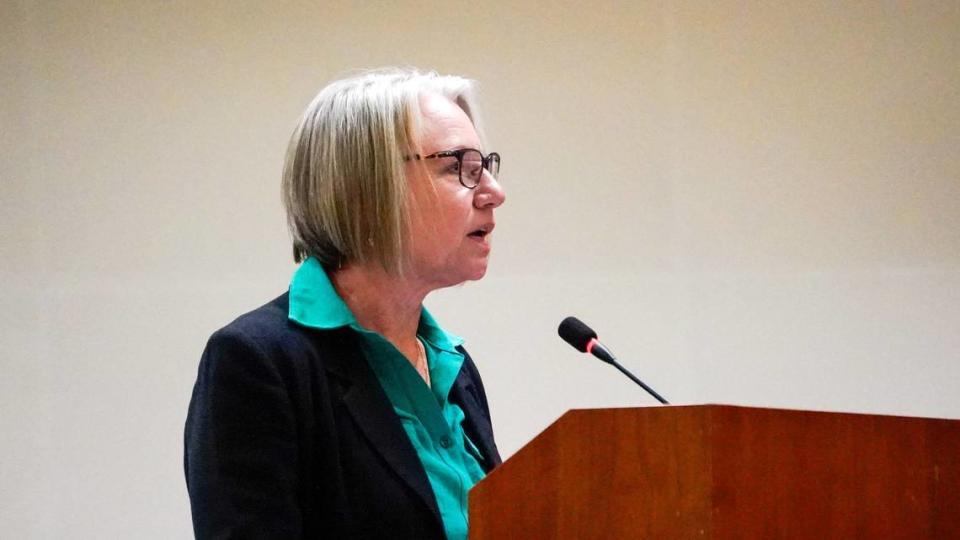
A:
(476, 423)
(373, 413)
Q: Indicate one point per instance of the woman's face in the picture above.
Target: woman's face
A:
(450, 224)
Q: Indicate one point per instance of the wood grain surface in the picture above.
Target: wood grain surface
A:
(724, 472)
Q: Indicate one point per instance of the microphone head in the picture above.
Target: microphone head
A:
(574, 332)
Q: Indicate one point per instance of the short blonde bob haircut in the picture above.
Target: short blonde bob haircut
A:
(344, 187)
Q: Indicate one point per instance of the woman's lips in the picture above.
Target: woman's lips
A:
(482, 231)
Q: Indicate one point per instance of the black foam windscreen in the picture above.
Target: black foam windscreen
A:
(574, 332)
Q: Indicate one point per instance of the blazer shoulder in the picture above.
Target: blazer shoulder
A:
(266, 319)
(267, 328)
(265, 339)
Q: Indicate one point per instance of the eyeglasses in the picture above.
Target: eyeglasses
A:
(470, 164)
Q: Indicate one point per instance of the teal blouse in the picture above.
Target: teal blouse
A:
(429, 419)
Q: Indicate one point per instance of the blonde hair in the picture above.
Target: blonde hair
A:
(344, 187)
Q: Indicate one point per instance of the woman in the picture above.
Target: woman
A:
(342, 409)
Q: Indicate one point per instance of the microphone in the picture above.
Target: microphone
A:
(584, 339)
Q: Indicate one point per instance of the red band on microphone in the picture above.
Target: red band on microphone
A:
(590, 344)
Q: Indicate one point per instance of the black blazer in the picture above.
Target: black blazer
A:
(290, 435)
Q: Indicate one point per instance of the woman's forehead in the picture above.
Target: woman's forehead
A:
(444, 125)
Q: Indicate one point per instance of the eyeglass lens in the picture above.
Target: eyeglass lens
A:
(474, 164)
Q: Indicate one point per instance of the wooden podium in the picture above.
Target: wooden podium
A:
(723, 472)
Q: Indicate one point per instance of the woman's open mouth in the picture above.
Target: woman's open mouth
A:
(481, 232)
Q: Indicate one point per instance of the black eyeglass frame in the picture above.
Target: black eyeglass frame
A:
(486, 162)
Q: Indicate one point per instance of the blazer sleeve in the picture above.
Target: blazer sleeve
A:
(240, 445)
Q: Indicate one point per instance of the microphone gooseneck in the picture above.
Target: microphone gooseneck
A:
(584, 339)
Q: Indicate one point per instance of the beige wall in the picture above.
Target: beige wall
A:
(754, 204)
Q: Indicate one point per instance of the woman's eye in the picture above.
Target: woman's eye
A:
(454, 167)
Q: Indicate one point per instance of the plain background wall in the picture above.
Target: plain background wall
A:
(755, 204)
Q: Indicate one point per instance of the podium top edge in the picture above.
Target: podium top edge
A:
(727, 406)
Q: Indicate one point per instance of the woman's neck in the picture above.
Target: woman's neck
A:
(385, 303)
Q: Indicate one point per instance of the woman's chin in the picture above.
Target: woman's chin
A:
(473, 275)
(452, 275)
(478, 272)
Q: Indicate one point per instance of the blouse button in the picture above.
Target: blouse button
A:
(446, 442)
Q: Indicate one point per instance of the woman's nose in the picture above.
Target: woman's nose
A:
(489, 193)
